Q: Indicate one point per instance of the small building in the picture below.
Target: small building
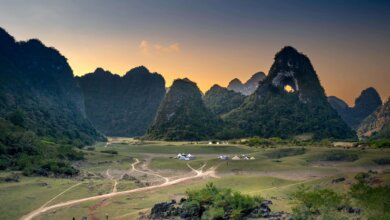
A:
(210, 142)
(252, 158)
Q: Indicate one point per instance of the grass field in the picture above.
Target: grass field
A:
(274, 174)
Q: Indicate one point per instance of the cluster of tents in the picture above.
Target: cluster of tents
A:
(235, 157)
(184, 156)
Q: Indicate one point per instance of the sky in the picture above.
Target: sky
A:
(212, 42)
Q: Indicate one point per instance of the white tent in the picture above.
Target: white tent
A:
(223, 157)
(236, 158)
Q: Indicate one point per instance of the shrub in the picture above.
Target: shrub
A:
(375, 200)
(317, 204)
(109, 151)
(221, 202)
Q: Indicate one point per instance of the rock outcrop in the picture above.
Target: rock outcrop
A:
(184, 210)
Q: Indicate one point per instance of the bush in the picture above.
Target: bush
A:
(109, 151)
(256, 141)
(221, 202)
(375, 200)
(317, 204)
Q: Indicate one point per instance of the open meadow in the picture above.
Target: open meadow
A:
(123, 178)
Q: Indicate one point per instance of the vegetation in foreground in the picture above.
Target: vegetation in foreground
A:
(365, 199)
(373, 200)
(212, 202)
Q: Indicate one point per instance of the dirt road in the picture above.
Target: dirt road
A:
(199, 173)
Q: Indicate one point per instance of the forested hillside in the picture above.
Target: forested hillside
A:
(221, 100)
(290, 101)
(182, 115)
(122, 106)
(41, 109)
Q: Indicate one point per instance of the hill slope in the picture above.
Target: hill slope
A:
(221, 100)
(41, 107)
(182, 115)
(377, 125)
(368, 101)
(289, 101)
(122, 106)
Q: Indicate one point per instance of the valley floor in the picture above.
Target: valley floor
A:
(141, 174)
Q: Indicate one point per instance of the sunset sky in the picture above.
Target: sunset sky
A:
(214, 41)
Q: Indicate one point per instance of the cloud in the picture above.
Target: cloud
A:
(148, 48)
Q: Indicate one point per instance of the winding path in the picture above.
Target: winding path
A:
(166, 179)
(43, 209)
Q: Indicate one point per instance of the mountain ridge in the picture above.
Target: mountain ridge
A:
(274, 112)
(365, 104)
(42, 115)
(249, 86)
(122, 105)
(182, 115)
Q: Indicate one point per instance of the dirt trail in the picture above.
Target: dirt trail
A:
(112, 178)
(55, 197)
(199, 173)
(166, 179)
(284, 186)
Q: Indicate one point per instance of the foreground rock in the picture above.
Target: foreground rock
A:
(183, 210)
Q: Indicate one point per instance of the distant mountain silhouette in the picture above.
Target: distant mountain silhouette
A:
(249, 86)
(122, 106)
(221, 100)
(368, 101)
(41, 108)
(289, 101)
(377, 124)
(182, 115)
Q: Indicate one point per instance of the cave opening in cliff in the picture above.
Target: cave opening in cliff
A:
(289, 89)
(289, 84)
